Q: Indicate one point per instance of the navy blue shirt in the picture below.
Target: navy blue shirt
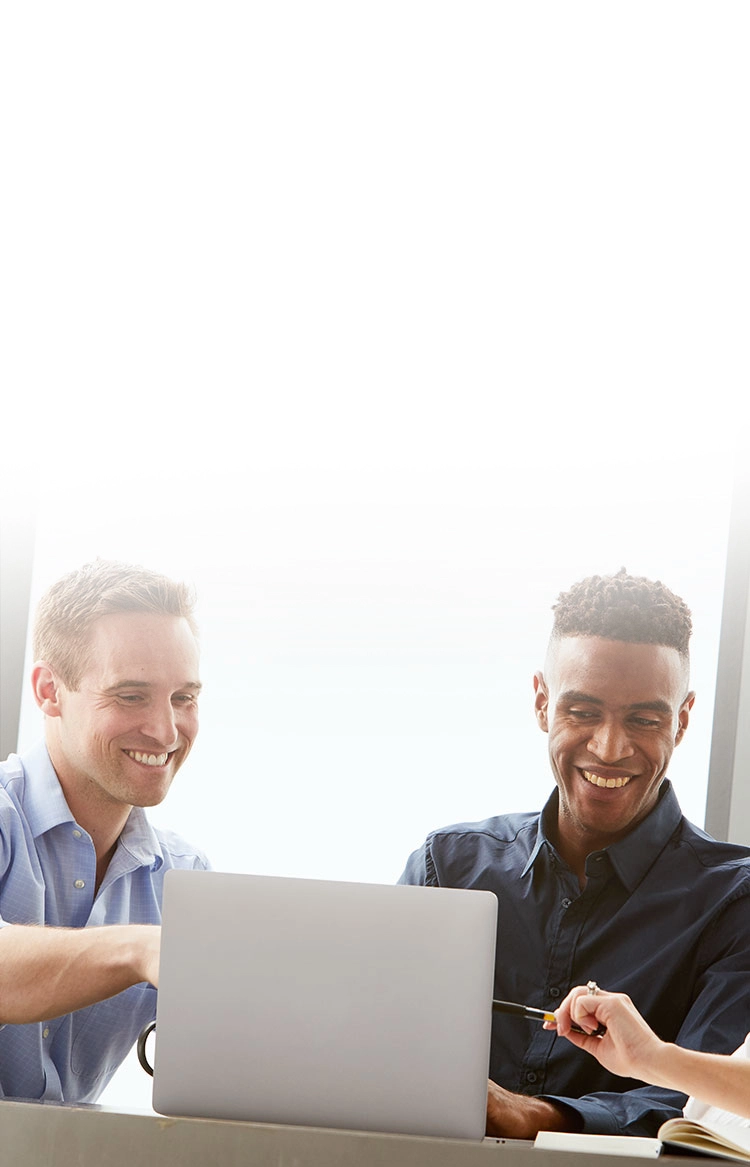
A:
(664, 917)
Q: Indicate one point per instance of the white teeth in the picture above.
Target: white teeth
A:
(148, 759)
(609, 783)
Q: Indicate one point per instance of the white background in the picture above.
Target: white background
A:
(368, 661)
(382, 324)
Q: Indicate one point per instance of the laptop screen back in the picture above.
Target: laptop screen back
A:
(323, 1003)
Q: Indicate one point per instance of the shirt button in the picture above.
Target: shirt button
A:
(566, 903)
(77, 834)
(531, 1076)
(45, 1031)
(79, 883)
(554, 992)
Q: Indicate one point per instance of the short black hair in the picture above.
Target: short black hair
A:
(623, 607)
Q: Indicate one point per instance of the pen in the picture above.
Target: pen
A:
(540, 1015)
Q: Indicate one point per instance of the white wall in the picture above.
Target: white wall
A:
(367, 653)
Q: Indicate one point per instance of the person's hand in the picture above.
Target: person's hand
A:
(520, 1116)
(628, 1048)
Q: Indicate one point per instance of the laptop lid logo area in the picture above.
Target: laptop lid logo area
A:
(322, 1003)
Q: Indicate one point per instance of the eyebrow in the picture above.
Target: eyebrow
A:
(571, 696)
(653, 706)
(193, 686)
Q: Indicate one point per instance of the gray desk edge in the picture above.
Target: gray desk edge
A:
(41, 1134)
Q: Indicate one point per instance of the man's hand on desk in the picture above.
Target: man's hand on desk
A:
(520, 1116)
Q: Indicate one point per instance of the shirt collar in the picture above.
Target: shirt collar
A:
(547, 816)
(632, 855)
(140, 840)
(45, 807)
(43, 800)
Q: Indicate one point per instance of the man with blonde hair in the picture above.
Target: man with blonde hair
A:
(81, 869)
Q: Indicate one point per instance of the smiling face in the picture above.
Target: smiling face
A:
(614, 712)
(120, 738)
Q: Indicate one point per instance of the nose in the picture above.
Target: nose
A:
(610, 742)
(160, 724)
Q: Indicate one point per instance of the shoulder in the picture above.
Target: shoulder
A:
(717, 873)
(510, 835)
(712, 853)
(12, 779)
(12, 790)
(504, 828)
(178, 852)
(474, 854)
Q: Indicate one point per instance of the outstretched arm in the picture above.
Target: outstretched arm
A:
(47, 972)
(631, 1049)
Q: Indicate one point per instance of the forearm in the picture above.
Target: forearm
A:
(47, 972)
(715, 1079)
(531, 1115)
(522, 1116)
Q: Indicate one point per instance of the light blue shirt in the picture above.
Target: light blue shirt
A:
(48, 876)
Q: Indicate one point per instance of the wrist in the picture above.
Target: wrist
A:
(658, 1068)
(558, 1116)
(538, 1114)
(131, 949)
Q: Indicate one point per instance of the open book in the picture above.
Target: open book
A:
(722, 1141)
(725, 1141)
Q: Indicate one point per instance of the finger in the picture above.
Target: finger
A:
(565, 1013)
(586, 1004)
(587, 1012)
(582, 1040)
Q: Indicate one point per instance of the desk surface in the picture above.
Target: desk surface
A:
(38, 1134)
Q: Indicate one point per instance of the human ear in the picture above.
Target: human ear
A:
(46, 689)
(541, 702)
(683, 717)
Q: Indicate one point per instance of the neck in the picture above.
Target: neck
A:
(104, 829)
(101, 817)
(574, 846)
(574, 856)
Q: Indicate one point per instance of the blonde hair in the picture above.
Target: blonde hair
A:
(67, 611)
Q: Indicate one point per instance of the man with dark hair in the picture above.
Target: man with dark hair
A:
(81, 868)
(609, 882)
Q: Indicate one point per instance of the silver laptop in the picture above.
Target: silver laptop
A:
(322, 1003)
